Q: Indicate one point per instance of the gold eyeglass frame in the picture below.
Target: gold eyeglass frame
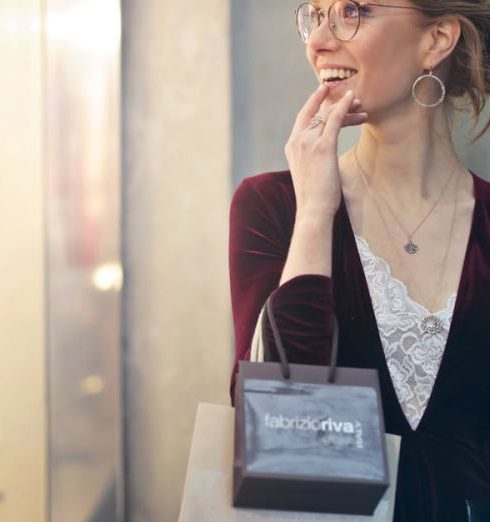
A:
(325, 14)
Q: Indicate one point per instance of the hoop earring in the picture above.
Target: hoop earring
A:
(432, 76)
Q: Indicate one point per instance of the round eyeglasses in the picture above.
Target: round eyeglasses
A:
(344, 17)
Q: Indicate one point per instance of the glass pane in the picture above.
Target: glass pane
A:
(84, 272)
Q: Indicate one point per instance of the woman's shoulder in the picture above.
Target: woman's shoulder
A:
(272, 189)
(267, 183)
(262, 212)
(265, 201)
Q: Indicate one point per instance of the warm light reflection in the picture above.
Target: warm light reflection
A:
(92, 385)
(108, 276)
(89, 26)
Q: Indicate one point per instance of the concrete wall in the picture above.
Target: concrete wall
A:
(176, 177)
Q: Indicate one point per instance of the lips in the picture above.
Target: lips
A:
(334, 83)
(335, 80)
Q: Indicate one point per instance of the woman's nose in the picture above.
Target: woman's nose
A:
(322, 37)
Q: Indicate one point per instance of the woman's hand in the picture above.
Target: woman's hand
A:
(312, 152)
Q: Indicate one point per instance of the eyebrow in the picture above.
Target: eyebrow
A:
(318, 4)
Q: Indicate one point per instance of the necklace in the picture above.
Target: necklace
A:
(410, 247)
(430, 324)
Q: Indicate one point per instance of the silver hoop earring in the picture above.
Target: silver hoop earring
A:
(432, 76)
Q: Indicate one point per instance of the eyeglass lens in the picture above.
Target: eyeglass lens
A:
(343, 18)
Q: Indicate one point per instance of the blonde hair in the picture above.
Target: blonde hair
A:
(469, 75)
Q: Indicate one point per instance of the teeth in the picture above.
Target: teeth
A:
(326, 74)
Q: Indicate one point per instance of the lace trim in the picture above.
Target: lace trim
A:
(413, 357)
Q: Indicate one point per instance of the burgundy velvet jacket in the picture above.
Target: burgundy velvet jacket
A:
(447, 458)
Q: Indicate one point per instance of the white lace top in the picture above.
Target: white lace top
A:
(413, 357)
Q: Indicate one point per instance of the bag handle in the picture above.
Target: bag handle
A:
(286, 373)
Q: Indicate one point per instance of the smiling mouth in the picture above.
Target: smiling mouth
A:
(334, 76)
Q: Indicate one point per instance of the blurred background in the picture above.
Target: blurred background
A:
(125, 127)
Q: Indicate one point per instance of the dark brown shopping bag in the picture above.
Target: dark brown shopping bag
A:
(308, 438)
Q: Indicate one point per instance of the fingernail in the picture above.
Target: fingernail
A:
(321, 86)
(348, 93)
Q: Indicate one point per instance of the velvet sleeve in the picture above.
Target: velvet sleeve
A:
(261, 223)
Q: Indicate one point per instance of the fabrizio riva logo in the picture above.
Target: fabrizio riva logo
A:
(352, 430)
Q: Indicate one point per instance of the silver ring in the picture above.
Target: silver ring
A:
(315, 121)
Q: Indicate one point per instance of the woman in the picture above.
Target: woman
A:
(393, 236)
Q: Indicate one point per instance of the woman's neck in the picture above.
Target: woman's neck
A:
(409, 160)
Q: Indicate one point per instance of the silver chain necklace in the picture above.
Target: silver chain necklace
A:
(430, 324)
(410, 247)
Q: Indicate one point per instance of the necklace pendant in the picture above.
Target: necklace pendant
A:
(431, 325)
(411, 247)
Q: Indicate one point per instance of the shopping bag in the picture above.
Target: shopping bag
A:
(308, 438)
(207, 494)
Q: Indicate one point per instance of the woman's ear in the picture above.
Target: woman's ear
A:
(441, 38)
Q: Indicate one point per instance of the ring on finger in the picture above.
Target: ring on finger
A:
(315, 121)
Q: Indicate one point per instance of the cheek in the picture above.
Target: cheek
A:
(387, 72)
(389, 48)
